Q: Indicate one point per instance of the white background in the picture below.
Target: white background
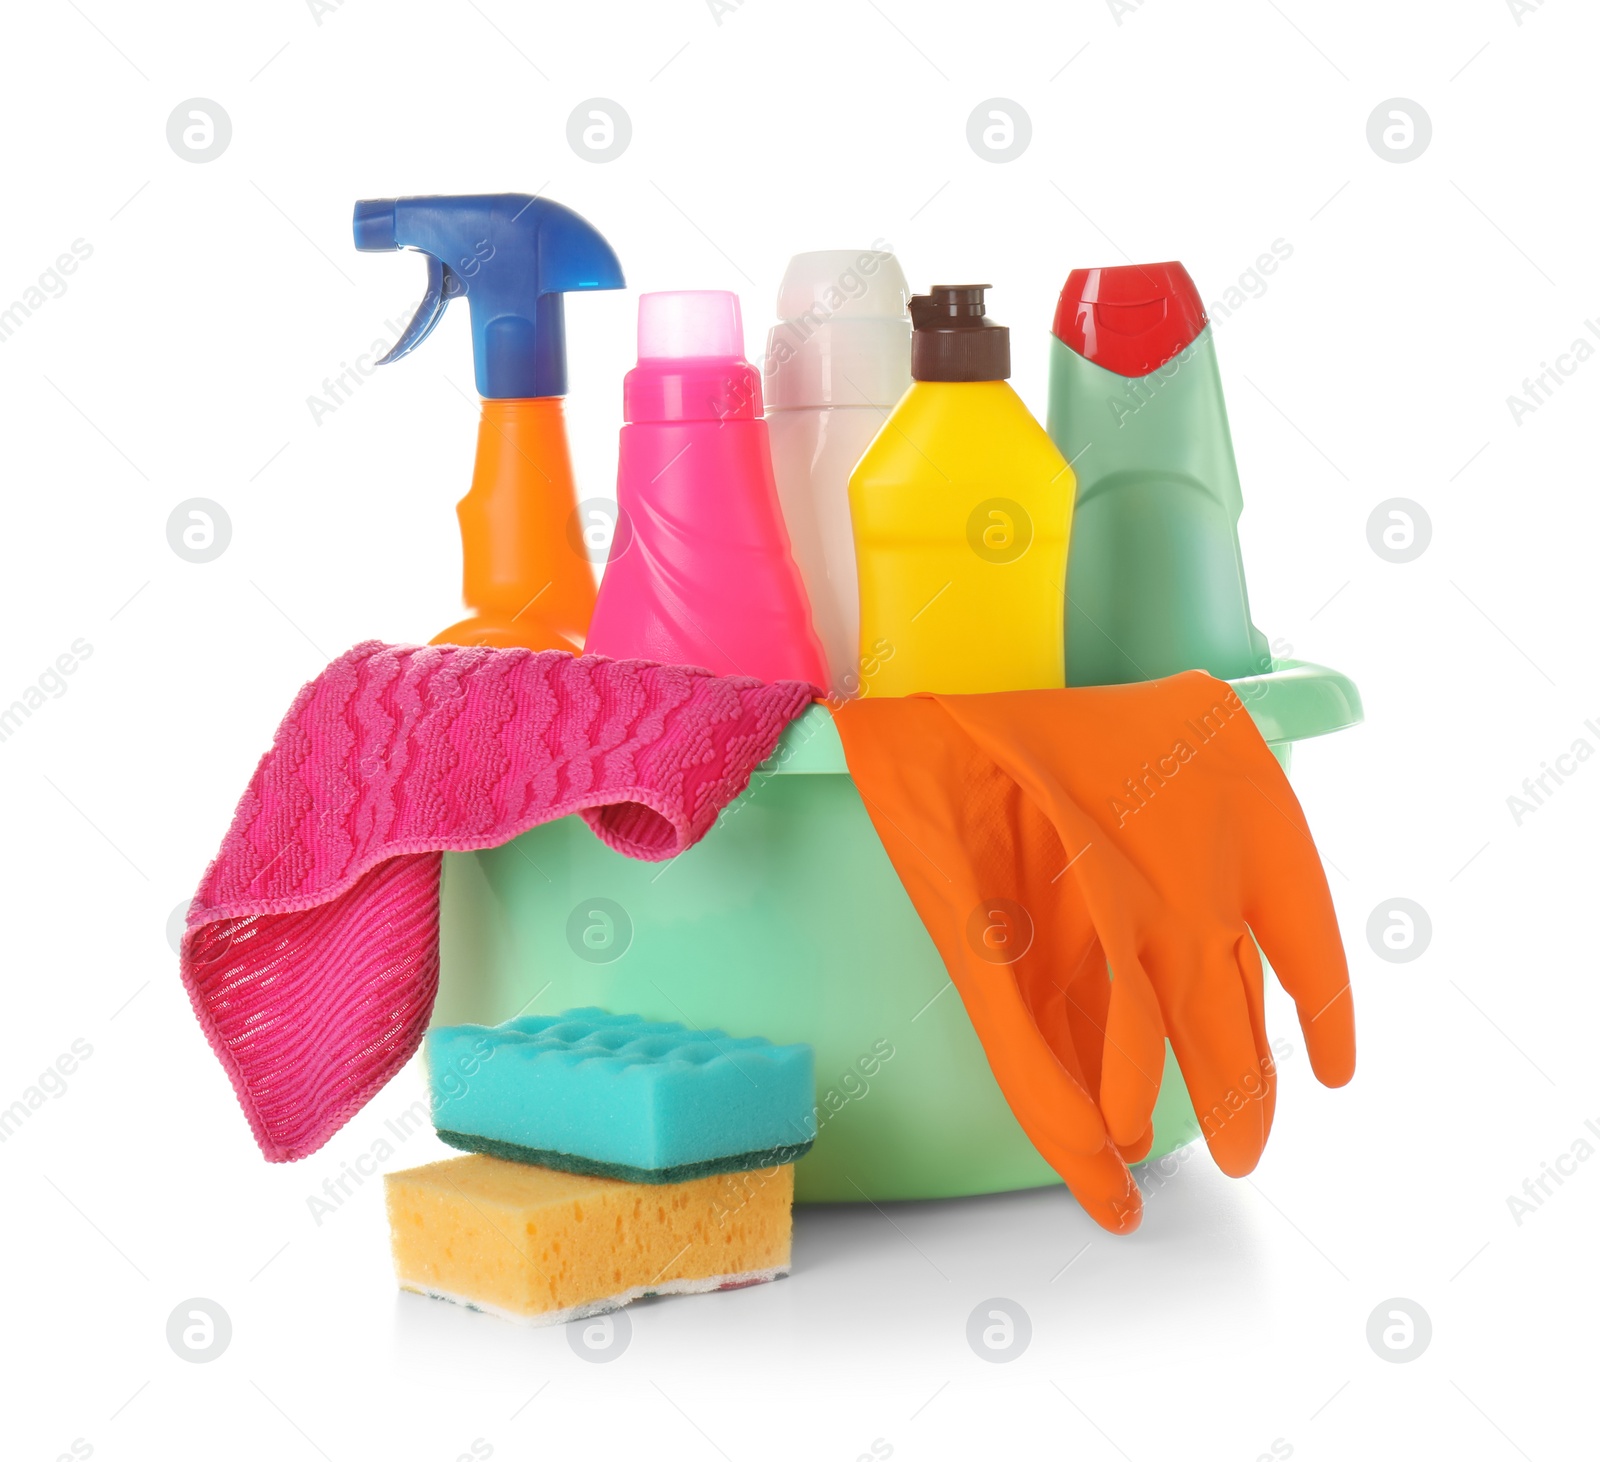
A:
(1376, 364)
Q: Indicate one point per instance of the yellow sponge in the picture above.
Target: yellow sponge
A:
(542, 1246)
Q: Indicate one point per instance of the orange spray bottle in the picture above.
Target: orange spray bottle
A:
(526, 579)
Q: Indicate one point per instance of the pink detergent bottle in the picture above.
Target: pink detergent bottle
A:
(700, 571)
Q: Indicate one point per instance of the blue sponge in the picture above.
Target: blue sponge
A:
(619, 1096)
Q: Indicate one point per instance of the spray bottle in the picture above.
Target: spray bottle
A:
(525, 577)
(837, 362)
(700, 571)
(1156, 579)
(961, 508)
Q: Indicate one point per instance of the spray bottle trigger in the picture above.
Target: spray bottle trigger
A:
(444, 284)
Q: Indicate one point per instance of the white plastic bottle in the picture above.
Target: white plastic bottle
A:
(837, 363)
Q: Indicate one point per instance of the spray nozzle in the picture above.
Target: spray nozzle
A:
(513, 257)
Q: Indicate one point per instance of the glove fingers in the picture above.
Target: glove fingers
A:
(1088, 1000)
(1291, 913)
(1103, 1186)
(1044, 1086)
(1069, 1018)
(1051, 1008)
(1133, 1152)
(1216, 1051)
(1087, 995)
(1254, 994)
(1135, 1052)
(934, 813)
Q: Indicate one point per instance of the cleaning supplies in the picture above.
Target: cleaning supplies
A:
(704, 574)
(796, 872)
(321, 910)
(623, 1097)
(961, 508)
(545, 1247)
(1165, 873)
(1155, 583)
(513, 257)
(837, 361)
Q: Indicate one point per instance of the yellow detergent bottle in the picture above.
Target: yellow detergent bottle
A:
(961, 508)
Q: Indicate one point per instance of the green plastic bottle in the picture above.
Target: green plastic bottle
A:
(1155, 578)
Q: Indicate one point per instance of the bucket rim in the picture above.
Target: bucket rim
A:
(1294, 701)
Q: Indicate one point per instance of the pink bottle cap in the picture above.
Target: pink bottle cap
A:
(678, 324)
(691, 360)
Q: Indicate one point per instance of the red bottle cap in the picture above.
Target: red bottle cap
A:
(1131, 318)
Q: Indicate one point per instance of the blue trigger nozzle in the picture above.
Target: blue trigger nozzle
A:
(435, 297)
(513, 256)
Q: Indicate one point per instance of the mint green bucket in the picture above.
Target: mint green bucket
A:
(787, 921)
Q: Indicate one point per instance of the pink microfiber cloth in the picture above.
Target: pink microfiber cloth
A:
(312, 948)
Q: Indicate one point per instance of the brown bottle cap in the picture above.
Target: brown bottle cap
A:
(952, 340)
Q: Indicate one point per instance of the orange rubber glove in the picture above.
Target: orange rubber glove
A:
(1190, 841)
(979, 860)
(1176, 836)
